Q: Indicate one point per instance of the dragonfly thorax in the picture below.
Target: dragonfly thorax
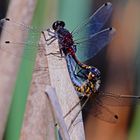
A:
(65, 38)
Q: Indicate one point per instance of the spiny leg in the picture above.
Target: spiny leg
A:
(50, 33)
(79, 112)
(51, 39)
(73, 107)
(55, 54)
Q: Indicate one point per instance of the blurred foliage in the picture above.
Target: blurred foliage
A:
(134, 133)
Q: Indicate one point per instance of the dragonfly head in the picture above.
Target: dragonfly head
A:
(94, 77)
(94, 74)
(58, 24)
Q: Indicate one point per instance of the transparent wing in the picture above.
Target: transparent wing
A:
(102, 112)
(96, 21)
(97, 109)
(114, 99)
(18, 27)
(100, 103)
(15, 37)
(92, 45)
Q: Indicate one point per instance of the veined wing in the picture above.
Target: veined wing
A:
(99, 106)
(118, 99)
(102, 112)
(19, 40)
(18, 27)
(92, 45)
(96, 21)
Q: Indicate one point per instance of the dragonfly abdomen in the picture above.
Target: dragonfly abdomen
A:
(86, 88)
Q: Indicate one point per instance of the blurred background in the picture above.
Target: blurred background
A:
(119, 62)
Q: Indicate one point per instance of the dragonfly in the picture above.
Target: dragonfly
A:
(87, 83)
(94, 38)
(68, 41)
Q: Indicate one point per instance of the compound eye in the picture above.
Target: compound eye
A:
(58, 24)
(62, 24)
(55, 25)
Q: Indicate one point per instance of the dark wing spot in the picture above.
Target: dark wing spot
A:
(116, 117)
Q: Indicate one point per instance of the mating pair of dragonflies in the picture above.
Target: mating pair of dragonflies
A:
(86, 79)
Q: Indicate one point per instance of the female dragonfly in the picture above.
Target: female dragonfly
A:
(87, 83)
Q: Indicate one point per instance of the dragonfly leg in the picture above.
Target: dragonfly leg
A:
(73, 107)
(49, 40)
(83, 105)
(50, 33)
(61, 52)
(54, 54)
(41, 69)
